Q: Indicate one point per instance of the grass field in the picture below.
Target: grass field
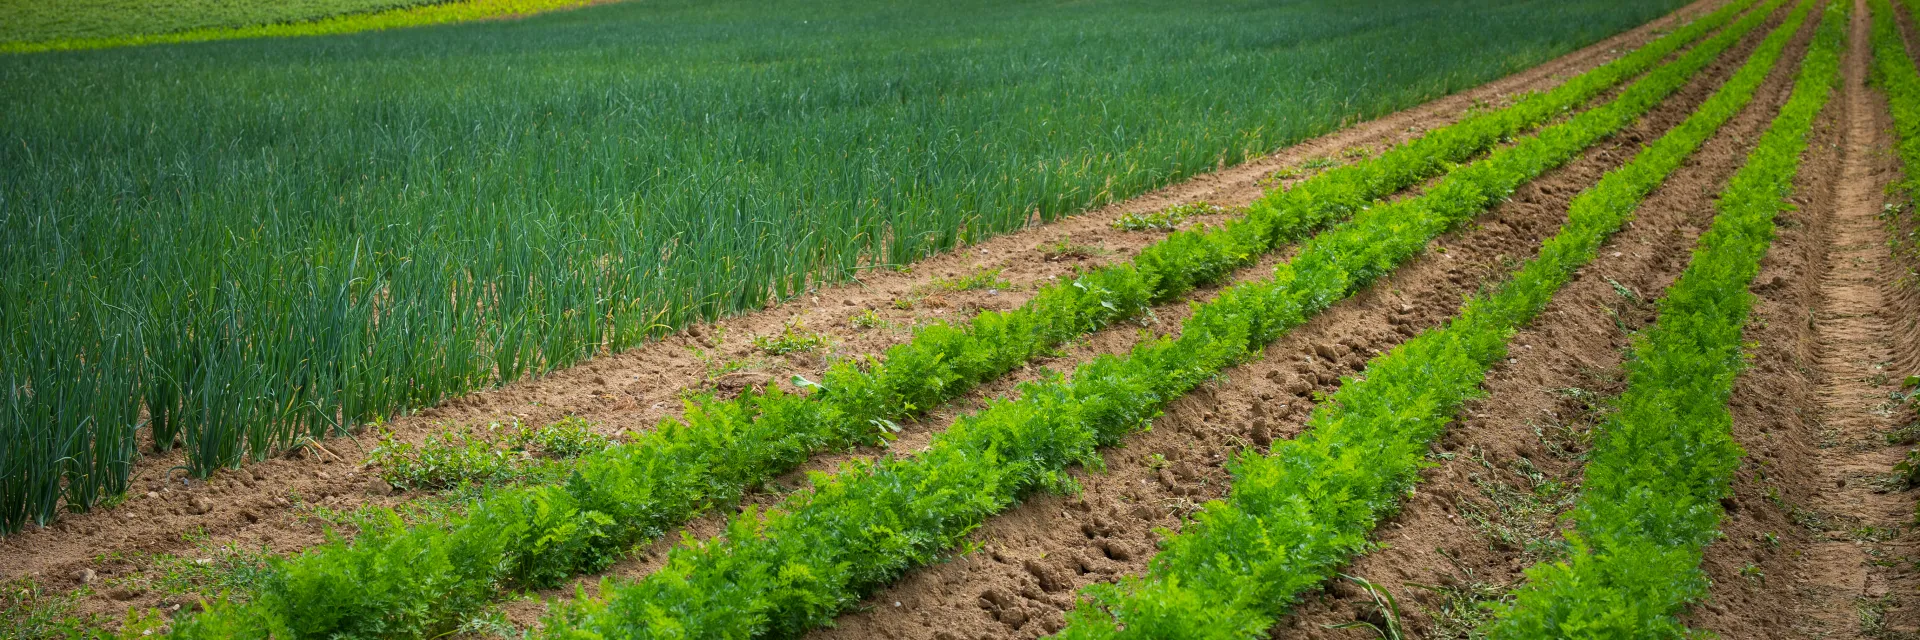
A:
(244, 243)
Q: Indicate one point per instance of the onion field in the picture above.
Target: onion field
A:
(1108, 319)
(235, 246)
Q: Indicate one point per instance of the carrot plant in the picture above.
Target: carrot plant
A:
(1665, 458)
(1299, 511)
(1893, 71)
(718, 449)
(721, 448)
(236, 246)
(791, 568)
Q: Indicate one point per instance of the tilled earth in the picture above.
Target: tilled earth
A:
(1818, 537)
(1033, 559)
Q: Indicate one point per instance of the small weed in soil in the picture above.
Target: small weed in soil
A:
(1167, 219)
(1873, 618)
(1311, 166)
(794, 338)
(869, 319)
(1908, 470)
(1384, 619)
(227, 568)
(1319, 163)
(1066, 249)
(489, 624)
(491, 454)
(1521, 518)
(1462, 608)
(984, 279)
(28, 611)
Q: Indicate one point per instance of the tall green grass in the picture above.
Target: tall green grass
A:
(243, 243)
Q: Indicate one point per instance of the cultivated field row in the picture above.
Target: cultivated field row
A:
(1288, 430)
(307, 481)
(632, 492)
(293, 261)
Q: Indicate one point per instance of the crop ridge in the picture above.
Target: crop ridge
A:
(201, 348)
(1663, 459)
(720, 448)
(1307, 506)
(1104, 391)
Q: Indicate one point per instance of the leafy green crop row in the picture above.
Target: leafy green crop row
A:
(1306, 507)
(786, 570)
(721, 448)
(1894, 72)
(233, 246)
(38, 25)
(1665, 458)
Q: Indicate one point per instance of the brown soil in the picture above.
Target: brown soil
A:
(1850, 570)
(1511, 466)
(1033, 558)
(271, 504)
(1243, 188)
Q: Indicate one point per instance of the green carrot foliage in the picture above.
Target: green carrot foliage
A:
(1662, 462)
(1301, 510)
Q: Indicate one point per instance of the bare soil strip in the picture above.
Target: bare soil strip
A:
(1855, 574)
(1032, 559)
(271, 505)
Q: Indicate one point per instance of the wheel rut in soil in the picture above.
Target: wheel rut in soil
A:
(1032, 559)
(1856, 578)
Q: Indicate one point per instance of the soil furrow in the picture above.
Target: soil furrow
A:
(1854, 575)
(1511, 465)
(1030, 560)
(1114, 341)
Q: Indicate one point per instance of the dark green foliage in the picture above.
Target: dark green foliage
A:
(1663, 461)
(1306, 507)
(779, 573)
(248, 243)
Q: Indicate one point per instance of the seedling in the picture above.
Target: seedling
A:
(793, 338)
(1388, 626)
(868, 319)
(1167, 219)
(982, 279)
(1066, 248)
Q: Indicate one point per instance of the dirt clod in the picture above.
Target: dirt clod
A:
(199, 505)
